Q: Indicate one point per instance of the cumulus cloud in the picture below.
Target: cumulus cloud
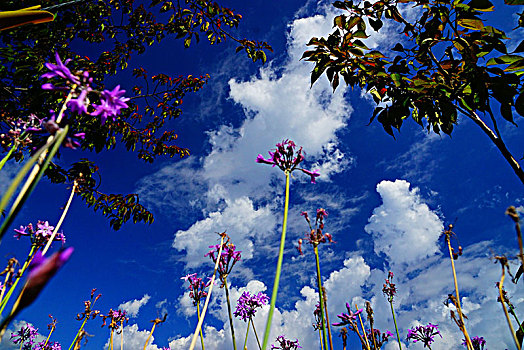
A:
(133, 306)
(403, 227)
(134, 339)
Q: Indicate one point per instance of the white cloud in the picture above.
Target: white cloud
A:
(134, 339)
(403, 227)
(133, 306)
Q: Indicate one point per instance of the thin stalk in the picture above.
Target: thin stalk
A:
(279, 266)
(201, 335)
(512, 312)
(64, 213)
(256, 335)
(321, 342)
(395, 322)
(4, 286)
(122, 337)
(363, 329)
(501, 283)
(247, 333)
(49, 336)
(78, 333)
(6, 158)
(150, 334)
(30, 257)
(229, 312)
(459, 309)
(201, 320)
(327, 319)
(111, 340)
(321, 298)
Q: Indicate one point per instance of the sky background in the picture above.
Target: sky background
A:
(388, 201)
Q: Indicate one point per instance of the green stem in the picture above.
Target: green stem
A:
(395, 322)
(78, 333)
(279, 266)
(230, 313)
(255, 331)
(4, 301)
(247, 333)
(512, 311)
(321, 299)
(201, 335)
(8, 155)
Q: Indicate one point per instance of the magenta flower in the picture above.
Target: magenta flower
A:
(379, 337)
(79, 104)
(112, 103)
(228, 258)
(60, 70)
(248, 304)
(477, 342)
(41, 235)
(197, 287)
(25, 334)
(287, 159)
(424, 334)
(52, 345)
(316, 234)
(285, 344)
(347, 318)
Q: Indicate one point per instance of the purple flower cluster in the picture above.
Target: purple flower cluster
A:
(286, 344)
(316, 234)
(196, 287)
(318, 317)
(53, 345)
(228, 258)
(286, 159)
(380, 338)
(477, 342)
(424, 334)
(117, 318)
(247, 305)
(389, 288)
(112, 102)
(41, 235)
(348, 318)
(26, 334)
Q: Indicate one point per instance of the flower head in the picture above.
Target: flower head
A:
(389, 289)
(51, 345)
(379, 337)
(285, 344)
(424, 334)
(477, 342)
(60, 70)
(25, 334)
(247, 305)
(347, 318)
(287, 158)
(112, 103)
(197, 287)
(316, 234)
(227, 259)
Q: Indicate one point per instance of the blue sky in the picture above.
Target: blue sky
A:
(388, 201)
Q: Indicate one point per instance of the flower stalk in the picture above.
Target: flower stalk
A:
(321, 298)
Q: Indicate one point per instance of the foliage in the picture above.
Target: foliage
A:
(446, 61)
(113, 31)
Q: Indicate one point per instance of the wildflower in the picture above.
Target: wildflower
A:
(318, 318)
(425, 334)
(228, 258)
(25, 334)
(60, 70)
(286, 159)
(316, 234)
(23, 231)
(380, 338)
(286, 344)
(349, 317)
(112, 104)
(247, 305)
(49, 346)
(196, 287)
(42, 271)
(389, 289)
(477, 342)
(117, 318)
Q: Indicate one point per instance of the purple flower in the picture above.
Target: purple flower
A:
(228, 258)
(389, 289)
(60, 70)
(23, 231)
(73, 142)
(347, 318)
(425, 334)
(27, 333)
(79, 104)
(196, 287)
(111, 105)
(247, 305)
(286, 344)
(313, 174)
(287, 159)
(42, 271)
(379, 337)
(477, 342)
(52, 345)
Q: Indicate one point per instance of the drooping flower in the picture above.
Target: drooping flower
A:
(248, 304)
(424, 334)
(286, 344)
(287, 159)
(347, 318)
(26, 334)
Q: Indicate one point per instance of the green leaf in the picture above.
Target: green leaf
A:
(514, 2)
(471, 23)
(481, 5)
(504, 59)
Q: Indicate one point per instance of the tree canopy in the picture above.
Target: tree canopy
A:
(114, 31)
(447, 62)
